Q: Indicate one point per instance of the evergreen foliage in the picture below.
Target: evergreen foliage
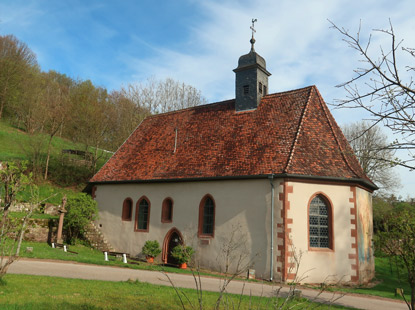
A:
(81, 210)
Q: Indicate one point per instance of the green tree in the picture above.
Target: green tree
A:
(398, 242)
(13, 178)
(16, 59)
(81, 210)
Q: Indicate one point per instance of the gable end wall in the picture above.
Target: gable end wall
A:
(323, 265)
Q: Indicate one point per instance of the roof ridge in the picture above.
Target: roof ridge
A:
(229, 101)
(320, 99)
(289, 91)
(297, 134)
(191, 108)
(113, 155)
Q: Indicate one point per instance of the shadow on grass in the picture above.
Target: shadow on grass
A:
(51, 306)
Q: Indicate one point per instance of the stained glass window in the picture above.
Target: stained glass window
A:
(319, 223)
(143, 215)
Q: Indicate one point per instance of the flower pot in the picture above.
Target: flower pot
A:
(150, 259)
(183, 266)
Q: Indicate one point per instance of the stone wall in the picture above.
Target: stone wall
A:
(96, 239)
(41, 230)
(46, 230)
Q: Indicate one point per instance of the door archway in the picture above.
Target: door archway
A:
(172, 238)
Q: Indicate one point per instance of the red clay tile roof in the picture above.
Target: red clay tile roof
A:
(291, 132)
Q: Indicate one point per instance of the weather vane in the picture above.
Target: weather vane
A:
(254, 20)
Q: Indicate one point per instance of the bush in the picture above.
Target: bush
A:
(182, 253)
(66, 174)
(81, 210)
(151, 248)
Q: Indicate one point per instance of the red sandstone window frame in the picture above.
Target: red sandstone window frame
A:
(127, 210)
(137, 211)
(165, 212)
(329, 204)
(200, 232)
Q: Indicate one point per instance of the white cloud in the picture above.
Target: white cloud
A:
(117, 44)
(294, 37)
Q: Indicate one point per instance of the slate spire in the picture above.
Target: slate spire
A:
(251, 82)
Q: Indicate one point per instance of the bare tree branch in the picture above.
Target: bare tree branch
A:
(380, 89)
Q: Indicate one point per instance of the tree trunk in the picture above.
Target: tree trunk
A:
(47, 157)
(412, 296)
(95, 158)
(1, 108)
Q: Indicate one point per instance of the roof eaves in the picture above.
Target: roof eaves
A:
(365, 183)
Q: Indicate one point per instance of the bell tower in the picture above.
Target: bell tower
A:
(251, 82)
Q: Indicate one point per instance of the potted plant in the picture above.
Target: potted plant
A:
(151, 249)
(182, 254)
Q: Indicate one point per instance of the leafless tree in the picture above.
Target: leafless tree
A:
(91, 119)
(55, 104)
(160, 96)
(282, 297)
(371, 147)
(127, 116)
(383, 88)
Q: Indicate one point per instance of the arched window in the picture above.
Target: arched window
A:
(167, 211)
(127, 209)
(320, 223)
(206, 217)
(142, 215)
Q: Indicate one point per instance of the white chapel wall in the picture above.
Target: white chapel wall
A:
(239, 202)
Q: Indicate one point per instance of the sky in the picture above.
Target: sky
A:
(115, 43)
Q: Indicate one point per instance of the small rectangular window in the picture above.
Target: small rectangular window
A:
(246, 89)
(167, 211)
(265, 90)
(260, 88)
(127, 209)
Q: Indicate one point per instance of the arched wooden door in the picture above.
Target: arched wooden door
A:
(172, 238)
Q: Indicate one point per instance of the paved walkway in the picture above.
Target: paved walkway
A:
(94, 272)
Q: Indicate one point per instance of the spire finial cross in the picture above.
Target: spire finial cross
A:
(253, 26)
(254, 20)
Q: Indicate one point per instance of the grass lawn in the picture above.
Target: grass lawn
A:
(65, 176)
(384, 283)
(90, 256)
(37, 292)
(47, 190)
(41, 216)
(17, 144)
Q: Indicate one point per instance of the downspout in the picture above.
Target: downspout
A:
(271, 272)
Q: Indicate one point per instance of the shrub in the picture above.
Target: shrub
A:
(151, 248)
(182, 253)
(67, 174)
(81, 210)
